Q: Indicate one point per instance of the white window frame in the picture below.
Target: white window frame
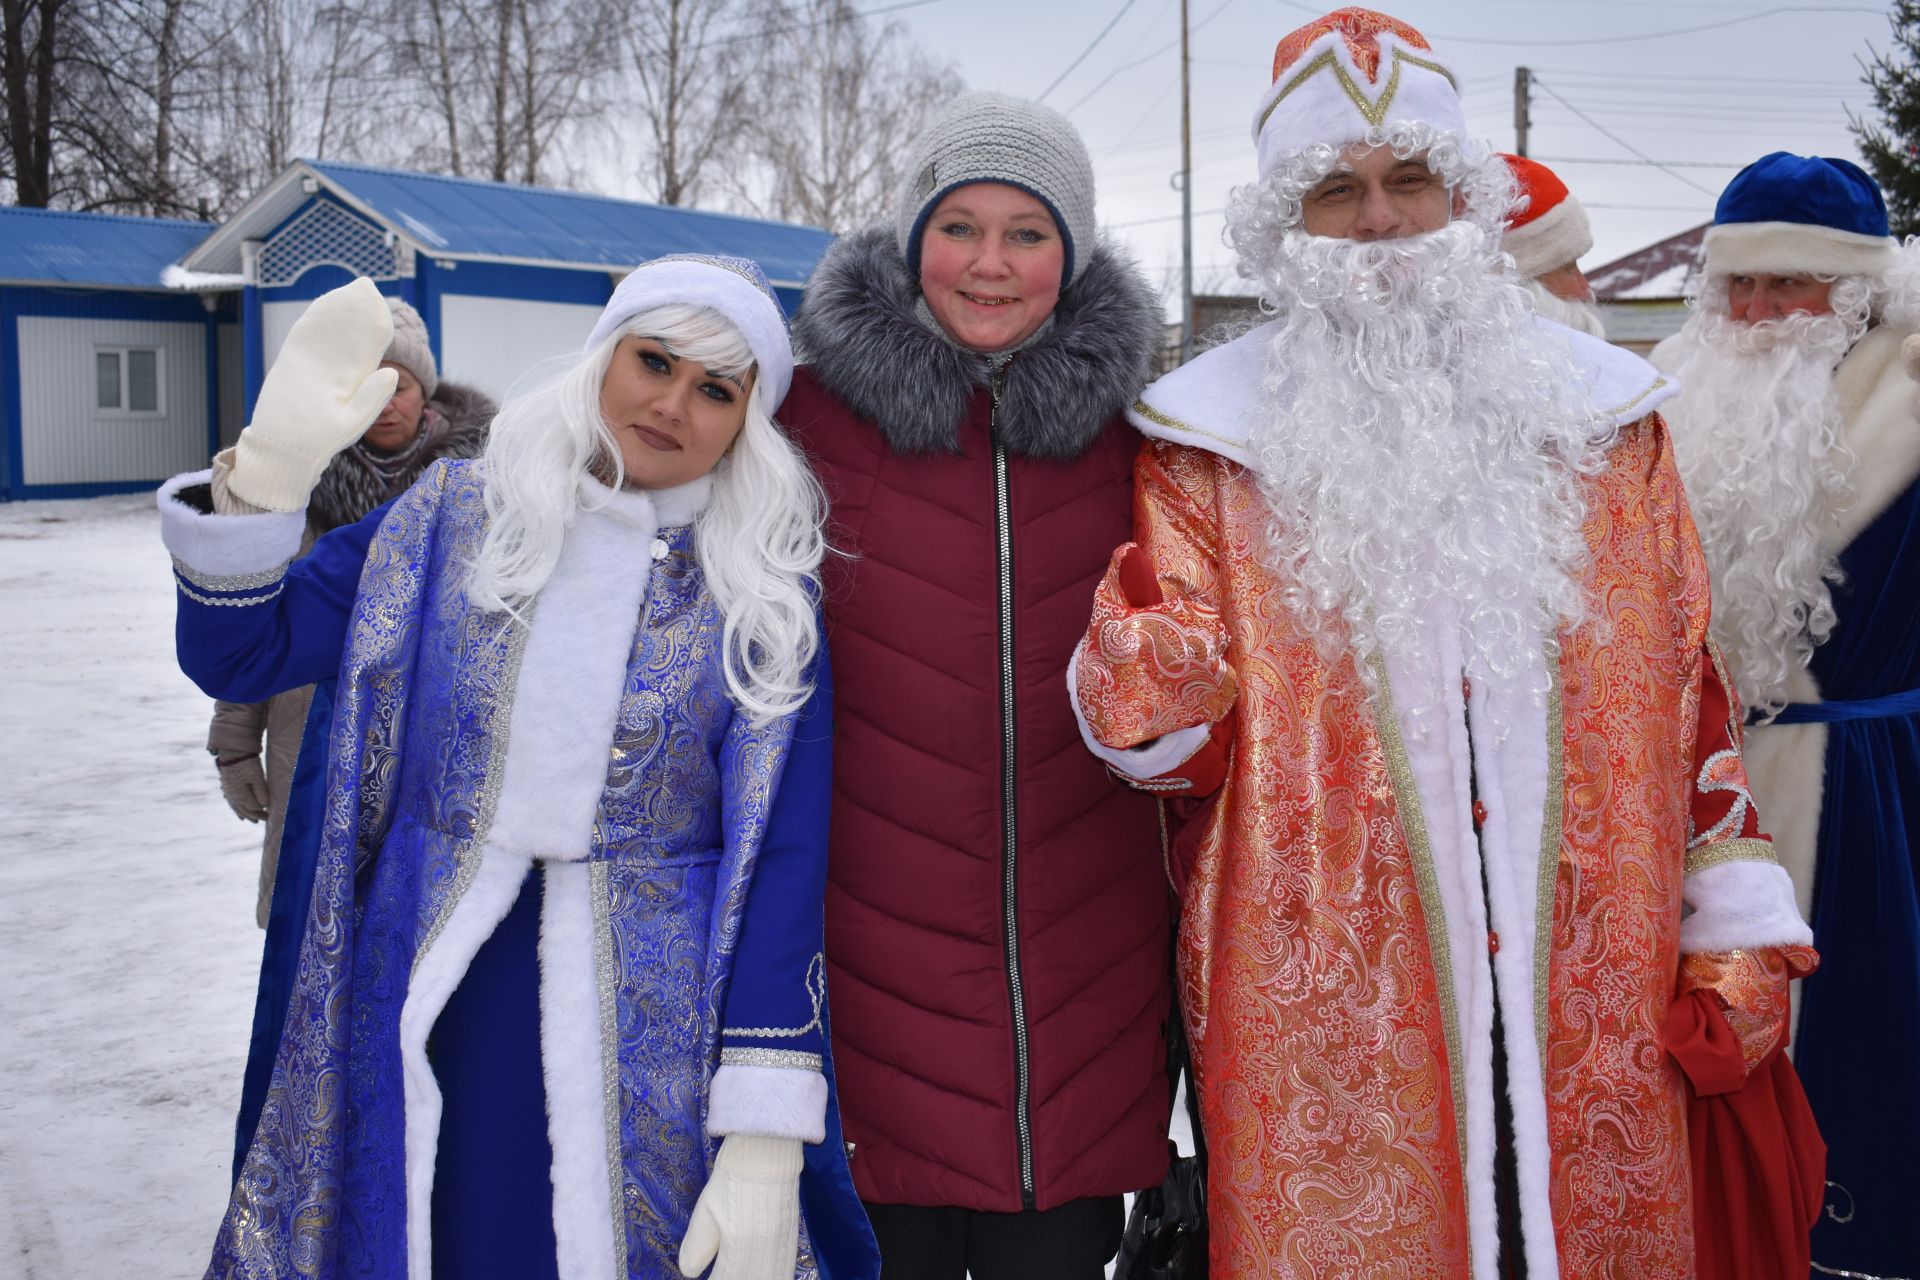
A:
(123, 350)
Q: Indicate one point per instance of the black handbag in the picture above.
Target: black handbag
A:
(1166, 1232)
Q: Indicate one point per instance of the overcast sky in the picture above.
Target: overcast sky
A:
(1712, 84)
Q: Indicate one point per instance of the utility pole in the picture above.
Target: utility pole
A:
(1186, 196)
(1522, 108)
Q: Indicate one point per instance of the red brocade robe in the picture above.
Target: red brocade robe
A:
(1338, 954)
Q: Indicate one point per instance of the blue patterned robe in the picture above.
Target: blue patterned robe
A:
(697, 901)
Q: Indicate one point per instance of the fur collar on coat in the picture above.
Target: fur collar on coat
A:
(348, 488)
(858, 330)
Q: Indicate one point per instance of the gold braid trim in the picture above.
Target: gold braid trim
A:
(1745, 849)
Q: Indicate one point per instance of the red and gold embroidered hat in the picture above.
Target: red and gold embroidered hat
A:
(1341, 76)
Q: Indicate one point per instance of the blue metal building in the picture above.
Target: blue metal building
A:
(108, 380)
(504, 276)
(113, 378)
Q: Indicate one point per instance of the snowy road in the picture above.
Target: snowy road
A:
(127, 943)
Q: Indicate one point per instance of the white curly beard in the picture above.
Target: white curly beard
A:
(1756, 431)
(1420, 447)
(1571, 312)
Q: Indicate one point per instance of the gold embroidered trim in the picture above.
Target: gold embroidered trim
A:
(467, 858)
(1629, 405)
(1552, 827)
(1736, 728)
(608, 977)
(787, 1059)
(1406, 798)
(1152, 414)
(227, 601)
(1374, 113)
(1745, 849)
(230, 581)
(1143, 784)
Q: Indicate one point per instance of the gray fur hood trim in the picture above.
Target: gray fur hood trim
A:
(347, 490)
(858, 330)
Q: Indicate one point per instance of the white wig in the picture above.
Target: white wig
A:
(759, 538)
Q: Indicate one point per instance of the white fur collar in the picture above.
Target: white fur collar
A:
(1880, 424)
(657, 508)
(567, 696)
(1208, 403)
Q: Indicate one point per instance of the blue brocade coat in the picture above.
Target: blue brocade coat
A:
(682, 851)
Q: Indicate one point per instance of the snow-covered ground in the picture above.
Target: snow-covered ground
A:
(128, 950)
(127, 944)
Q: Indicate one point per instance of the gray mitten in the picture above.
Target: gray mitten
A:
(244, 784)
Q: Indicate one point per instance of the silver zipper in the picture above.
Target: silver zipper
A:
(1009, 822)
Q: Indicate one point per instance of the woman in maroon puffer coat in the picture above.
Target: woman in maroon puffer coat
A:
(997, 912)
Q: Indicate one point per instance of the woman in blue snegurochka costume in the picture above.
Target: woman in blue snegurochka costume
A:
(559, 1006)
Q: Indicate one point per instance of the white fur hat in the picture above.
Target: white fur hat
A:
(735, 287)
(1551, 229)
(1343, 75)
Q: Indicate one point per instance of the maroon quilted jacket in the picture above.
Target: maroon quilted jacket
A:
(997, 912)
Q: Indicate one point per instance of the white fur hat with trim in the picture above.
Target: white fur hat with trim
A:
(1346, 74)
(1800, 215)
(1550, 229)
(735, 287)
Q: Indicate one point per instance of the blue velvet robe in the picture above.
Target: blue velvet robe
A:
(707, 866)
(1858, 1051)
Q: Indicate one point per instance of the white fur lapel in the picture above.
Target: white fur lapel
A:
(1506, 757)
(1880, 416)
(567, 697)
(1513, 753)
(587, 1220)
(1211, 401)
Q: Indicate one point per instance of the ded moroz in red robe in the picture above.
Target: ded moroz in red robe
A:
(1338, 956)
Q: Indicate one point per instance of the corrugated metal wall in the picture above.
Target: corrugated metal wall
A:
(488, 342)
(66, 440)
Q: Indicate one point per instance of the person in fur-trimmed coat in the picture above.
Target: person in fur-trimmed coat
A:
(427, 419)
(1797, 430)
(997, 913)
(560, 1005)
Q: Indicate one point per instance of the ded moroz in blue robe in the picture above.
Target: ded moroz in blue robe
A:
(569, 785)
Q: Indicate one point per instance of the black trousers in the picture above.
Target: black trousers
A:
(1072, 1242)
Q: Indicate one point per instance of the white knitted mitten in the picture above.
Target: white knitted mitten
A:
(749, 1213)
(325, 389)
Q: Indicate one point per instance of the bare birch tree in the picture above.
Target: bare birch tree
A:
(832, 120)
(691, 63)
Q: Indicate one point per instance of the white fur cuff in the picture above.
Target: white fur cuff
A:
(768, 1102)
(1796, 248)
(218, 546)
(1739, 905)
(1552, 240)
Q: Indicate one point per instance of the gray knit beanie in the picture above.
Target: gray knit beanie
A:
(993, 137)
(410, 347)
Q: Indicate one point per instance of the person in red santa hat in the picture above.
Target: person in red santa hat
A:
(1547, 234)
(1483, 956)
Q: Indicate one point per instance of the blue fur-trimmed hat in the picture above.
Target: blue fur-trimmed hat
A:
(1800, 215)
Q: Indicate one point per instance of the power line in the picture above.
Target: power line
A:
(1658, 164)
(1111, 23)
(1128, 66)
(1670, 172)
